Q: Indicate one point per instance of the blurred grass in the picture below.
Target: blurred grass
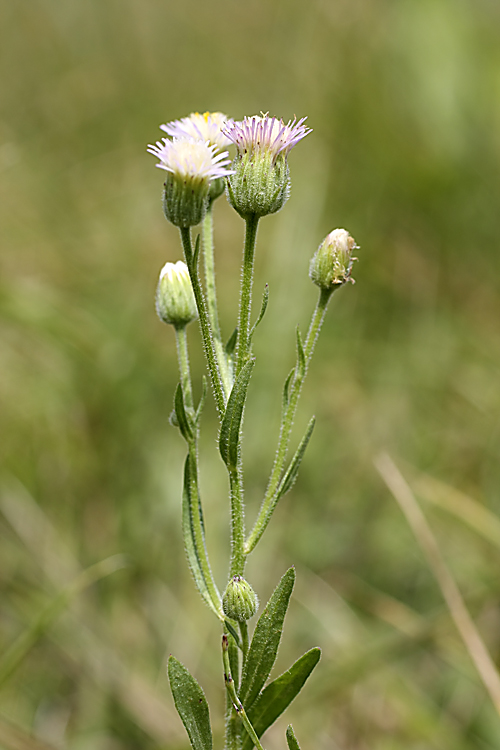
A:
(403, 99)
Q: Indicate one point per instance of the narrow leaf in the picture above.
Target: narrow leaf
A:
(265, 641)
(231, 343)
(190, 505)
(196, 253)
(181, 415)
(290, 475)
(230, 629)
(278, 695)
(202, 399)
(286, 389)
(191, 705)
(265, 300)
(301, 356)
(291, 739)
(230, 427)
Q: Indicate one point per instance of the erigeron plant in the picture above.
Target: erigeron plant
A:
(257, 183)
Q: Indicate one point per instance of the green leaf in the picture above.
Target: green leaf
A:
(230, 428)
(291, 739)
(278, 695)
(190, 505)
(265, 300)
(301, 356)
(265, 641)
(231, 343)
(231, 629)
(202, 399)
(196, 253)
(181, 415)
(286, 389)
(191, 705)
(290, 475)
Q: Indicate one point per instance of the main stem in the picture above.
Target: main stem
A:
(287, 422)
(206, 332)
(207, 237)
(243, 344)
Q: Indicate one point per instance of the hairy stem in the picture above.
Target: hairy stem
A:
(297, 381)
(243, 344)
(206, 331)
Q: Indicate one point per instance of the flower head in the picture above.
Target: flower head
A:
(175, 303)
(205, 127)
(331, 265)
(261, 181)
(266, 134)
(192, 166)
(190, 158)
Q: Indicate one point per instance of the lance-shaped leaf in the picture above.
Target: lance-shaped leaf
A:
(265, 300)
(291, 739)
(202, 399)
(230, 427)
(191, 705)
(301, 356)
(181, 415)
(290, 475)
(231, 343)
(265, 641)
(278, 695)
(286, 390)
(194, 541)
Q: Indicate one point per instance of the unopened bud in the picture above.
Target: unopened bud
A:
(332, 262)
(175, 302)
(240, 601)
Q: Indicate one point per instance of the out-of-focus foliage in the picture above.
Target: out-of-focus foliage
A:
(404, 101)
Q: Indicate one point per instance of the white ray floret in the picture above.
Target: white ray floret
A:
(190, 158)
(261, 133)
(205, 127)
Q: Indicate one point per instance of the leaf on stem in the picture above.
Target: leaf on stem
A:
(278, 695)
(301, 356)
(191, 505)
(265, 641)
(265, 300)
(183, 420)
(229, 437)
(286, 389)
(231, 343)
(202, 399)
(290, 475)
(196, 253)
(291, 739)
(191, 705)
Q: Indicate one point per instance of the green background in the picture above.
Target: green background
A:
(404, 100)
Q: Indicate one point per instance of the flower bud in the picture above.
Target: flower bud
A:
(240, 601)
(260, 185)
(332, 262)
(175, 302)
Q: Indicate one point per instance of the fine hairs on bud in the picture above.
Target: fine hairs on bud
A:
(175, 302)
(240, 601)
(332, 262)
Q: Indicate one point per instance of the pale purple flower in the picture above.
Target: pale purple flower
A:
(261, 134)
(190, 158)
(205, 127)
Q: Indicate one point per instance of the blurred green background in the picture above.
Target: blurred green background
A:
(404, 100)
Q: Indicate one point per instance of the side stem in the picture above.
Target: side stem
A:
(206, 331)
(207, 240)
(298, 378)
